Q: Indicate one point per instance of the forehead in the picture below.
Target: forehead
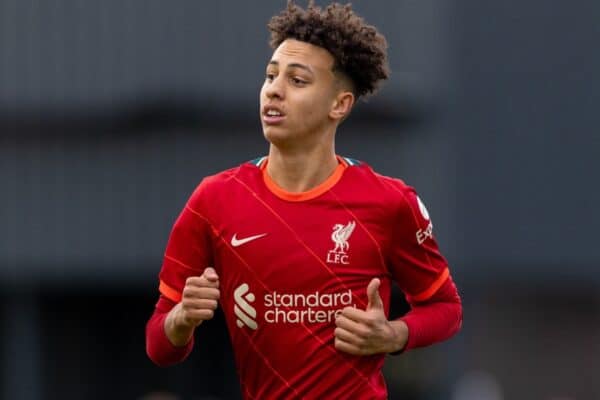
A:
(294, 51)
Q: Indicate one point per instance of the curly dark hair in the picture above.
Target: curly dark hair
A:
(358, 49)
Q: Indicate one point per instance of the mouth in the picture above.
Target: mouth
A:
(272, 115)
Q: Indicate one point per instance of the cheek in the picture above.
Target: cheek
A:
(318, 109)
(261, 94)
(308, 114)
(316, 105)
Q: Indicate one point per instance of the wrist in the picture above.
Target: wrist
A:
(400, 336)
(180, 321)
(178, 329)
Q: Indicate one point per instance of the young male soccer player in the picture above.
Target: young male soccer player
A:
(300, 247)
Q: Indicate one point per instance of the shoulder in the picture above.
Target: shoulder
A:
(394, 194)
(214, 187)
(396, 187)
(387, 186)
(407, 206)
(405, 199)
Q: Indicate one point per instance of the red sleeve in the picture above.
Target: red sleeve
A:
(416, 262)
(158, 347)
(189, 249)
(436, 319)
(422, 273)
(188, 253)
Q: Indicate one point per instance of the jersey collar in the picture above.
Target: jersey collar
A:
(303, 196)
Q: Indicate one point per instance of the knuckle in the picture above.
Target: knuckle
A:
(209, 304)
(190, 291)
(338, 344)
(364, 333)
(207, 293)
(185, 305)
(192, 281)
(197, 281)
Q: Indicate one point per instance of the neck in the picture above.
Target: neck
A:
(302, 170)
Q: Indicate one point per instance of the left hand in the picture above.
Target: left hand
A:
(369, 332)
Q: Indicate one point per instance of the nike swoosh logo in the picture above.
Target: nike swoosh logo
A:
(235, 242)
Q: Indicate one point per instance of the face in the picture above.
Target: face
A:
(298, 95)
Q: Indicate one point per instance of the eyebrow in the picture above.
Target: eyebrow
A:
(293, 65)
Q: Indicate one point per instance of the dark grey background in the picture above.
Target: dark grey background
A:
(111, 112)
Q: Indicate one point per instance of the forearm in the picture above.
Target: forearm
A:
(160, 347)
(435, 320)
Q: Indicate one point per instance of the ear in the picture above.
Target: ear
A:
(342, 105)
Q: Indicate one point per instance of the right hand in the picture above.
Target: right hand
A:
(200, 298)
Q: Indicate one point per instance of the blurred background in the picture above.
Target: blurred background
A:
(111, 112)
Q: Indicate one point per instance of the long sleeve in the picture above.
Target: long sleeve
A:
(158, 347)
(423, 274)
(189, 249)
(188, 252)
(435, 319)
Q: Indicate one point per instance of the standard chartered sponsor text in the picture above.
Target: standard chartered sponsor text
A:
(305, 308)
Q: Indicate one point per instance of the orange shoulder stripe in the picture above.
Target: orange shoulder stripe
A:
(430, 291)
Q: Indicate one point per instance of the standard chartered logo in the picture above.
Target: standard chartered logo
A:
(245, 313)
(290, 308)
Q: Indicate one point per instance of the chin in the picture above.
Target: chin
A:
(275, 135)
(278, 137)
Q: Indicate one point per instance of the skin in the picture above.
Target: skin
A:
(299, 80)
(366, 332)
(300, 83)
(198, 304)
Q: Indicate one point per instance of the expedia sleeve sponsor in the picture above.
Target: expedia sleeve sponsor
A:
(416, 261)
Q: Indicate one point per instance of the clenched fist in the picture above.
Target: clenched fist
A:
(200, 297)
(198, 303)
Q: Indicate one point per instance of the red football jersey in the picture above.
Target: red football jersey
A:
(289, 262)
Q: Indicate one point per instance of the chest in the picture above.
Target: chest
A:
(301, 247)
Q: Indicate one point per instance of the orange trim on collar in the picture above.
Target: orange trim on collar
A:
(310, 194)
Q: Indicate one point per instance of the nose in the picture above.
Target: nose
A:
(275, 89)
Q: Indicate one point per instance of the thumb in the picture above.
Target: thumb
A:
(375, 301)
(210, 274)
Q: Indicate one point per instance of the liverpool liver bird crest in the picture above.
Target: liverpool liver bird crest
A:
(340, 236)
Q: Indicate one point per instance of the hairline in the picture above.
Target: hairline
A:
(341, 76)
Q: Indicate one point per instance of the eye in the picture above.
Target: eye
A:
(298, 81)
(270, 77)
